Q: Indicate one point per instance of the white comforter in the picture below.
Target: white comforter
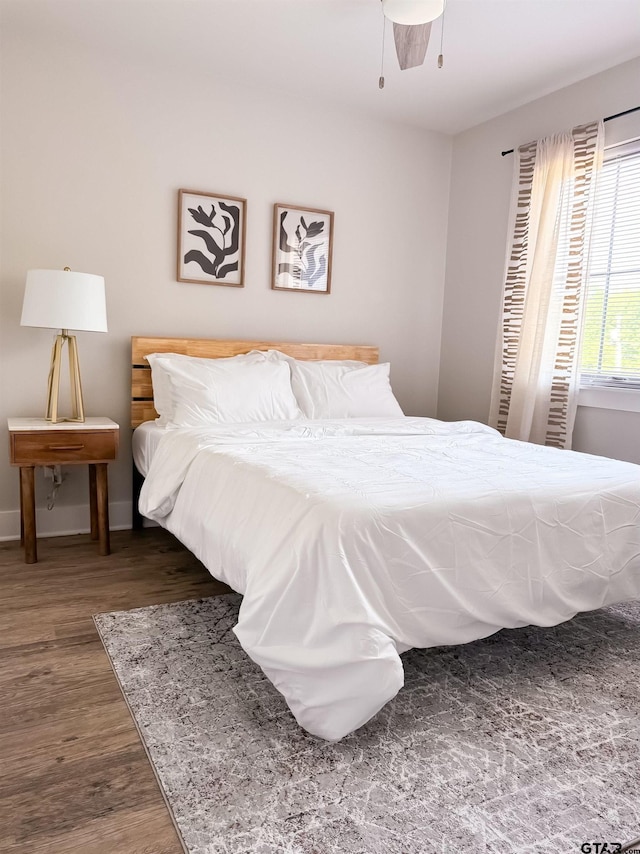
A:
(353, 541)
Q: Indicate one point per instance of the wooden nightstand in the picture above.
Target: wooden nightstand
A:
(36, 442)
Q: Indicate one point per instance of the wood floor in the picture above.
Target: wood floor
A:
(74, 776)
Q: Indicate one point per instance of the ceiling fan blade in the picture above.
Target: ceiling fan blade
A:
(411, 43)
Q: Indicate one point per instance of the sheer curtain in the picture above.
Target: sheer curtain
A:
(534, 394)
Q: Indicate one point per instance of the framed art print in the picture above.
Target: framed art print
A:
(302, 245)
(211, 238)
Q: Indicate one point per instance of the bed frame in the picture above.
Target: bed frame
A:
(142, 408)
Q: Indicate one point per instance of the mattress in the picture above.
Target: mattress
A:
(353, 541)
(144, 442)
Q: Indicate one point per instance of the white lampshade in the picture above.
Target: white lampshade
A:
(62, 299)
(412, 11)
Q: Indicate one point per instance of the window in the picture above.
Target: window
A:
(611, 333)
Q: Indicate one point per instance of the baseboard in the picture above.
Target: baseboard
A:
(62, 520)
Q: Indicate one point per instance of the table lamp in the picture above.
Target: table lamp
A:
(60, 299)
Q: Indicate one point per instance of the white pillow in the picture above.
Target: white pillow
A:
(229, 391)
(275, 355)
(162, 390)
(334, 389)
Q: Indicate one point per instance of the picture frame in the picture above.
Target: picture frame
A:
(211, 238)
(302, 249)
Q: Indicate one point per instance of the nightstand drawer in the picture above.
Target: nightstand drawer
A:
(62, 446)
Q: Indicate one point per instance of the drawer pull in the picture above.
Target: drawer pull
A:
(65, 447)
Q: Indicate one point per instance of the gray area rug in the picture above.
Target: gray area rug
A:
(527, 742)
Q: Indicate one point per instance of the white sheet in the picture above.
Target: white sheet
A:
(146, 438)
(355, 540)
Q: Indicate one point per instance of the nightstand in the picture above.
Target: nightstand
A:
(37, 442)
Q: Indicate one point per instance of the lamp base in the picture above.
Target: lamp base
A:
(77, 406)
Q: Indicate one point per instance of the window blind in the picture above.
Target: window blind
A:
(611, 333)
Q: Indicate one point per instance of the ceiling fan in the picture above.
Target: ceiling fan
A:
(412, 21)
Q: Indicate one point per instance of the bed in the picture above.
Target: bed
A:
(353, 539)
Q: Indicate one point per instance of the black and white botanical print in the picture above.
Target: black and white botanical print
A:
(211, 239)
(302, 249)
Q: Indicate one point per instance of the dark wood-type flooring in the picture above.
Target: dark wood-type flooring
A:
(74, 776)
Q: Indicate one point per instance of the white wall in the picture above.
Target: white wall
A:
(479, 208)
(93, 152)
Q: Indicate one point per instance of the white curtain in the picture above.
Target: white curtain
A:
(536, 373)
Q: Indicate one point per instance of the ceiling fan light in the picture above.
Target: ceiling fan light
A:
(410, 12)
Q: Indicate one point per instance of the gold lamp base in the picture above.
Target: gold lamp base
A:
(77, 406)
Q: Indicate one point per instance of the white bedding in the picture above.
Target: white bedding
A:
(354, 540)
(146, 438)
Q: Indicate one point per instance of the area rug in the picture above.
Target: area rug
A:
(527, 742)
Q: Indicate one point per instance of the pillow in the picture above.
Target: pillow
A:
(229, 391)
(162, 391)
(274, 355)
(334, 389)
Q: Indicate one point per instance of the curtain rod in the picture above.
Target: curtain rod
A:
(607, 119)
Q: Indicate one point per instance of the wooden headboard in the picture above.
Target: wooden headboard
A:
(142, 408)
